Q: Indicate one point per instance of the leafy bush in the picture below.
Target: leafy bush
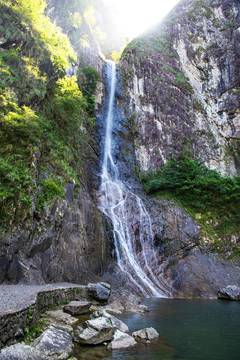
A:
(46, 34)
(192, 182)
(48, 190)
(213, 199)
(88, 78)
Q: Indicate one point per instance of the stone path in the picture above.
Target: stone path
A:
(17, 297)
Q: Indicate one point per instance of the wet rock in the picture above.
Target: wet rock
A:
(93, 332)
(147, 334)
(117, 324)
(231, 292)
(121, 340)
(62, 317)
(100, 291)
(54, 343)
(77, 307)
(21, 352)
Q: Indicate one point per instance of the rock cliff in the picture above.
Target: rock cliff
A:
(183, 86)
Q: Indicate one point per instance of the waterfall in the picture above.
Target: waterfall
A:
(132, 228)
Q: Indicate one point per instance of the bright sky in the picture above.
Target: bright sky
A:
(136, 16)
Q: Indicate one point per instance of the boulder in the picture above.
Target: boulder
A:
(100, 291)
(63, 327)
(95, 331)
(147, 334)
(62, 317)
(21, 352)
(231, 292)
(77, 307)
(121, 340)
(117, 324)
(119, 307)
(54, 343)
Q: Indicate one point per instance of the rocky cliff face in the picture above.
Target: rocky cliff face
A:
(183, 86)
(67, 243)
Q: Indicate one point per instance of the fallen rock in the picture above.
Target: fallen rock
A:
(147, 334)
(116, 323)
(100, 291)
(77, 307)
(21, 352)
(231, 292)
(94, 331)
(62, 317)
(121, 340)
(54, 343)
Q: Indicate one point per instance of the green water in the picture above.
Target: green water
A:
(190, 330)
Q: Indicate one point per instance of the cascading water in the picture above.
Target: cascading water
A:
(132, 229)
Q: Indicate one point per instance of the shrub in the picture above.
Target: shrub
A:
(88, 78)
(200, 190)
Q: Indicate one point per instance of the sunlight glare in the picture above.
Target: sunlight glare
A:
(136, 16)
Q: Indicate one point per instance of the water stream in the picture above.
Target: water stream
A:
(132, 229)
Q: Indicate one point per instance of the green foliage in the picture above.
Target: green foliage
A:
(188, 178)
(76, 19)
(18, 129)
(30, 335)
(48, 191)
(22, 74)
(58, 131)
(88, 78)
(89, 15)
(199, 190)
(45, 33)
(44, 122)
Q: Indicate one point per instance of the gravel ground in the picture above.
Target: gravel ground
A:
(17, 297)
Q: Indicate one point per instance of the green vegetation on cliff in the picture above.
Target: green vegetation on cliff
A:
(45, 120)
(212, 199)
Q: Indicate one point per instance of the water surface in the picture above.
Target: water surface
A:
(190, 330)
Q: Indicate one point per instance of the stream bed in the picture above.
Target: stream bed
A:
(189, 329)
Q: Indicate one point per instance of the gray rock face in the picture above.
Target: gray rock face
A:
(116, 323)
(100, 291)
(147, 334)
(231, 292)
(94, 331)
(21, 352)
(199, 275)
(60, 247)
(121, 340)
(77, 307)
(183, 86)
(55, 344)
